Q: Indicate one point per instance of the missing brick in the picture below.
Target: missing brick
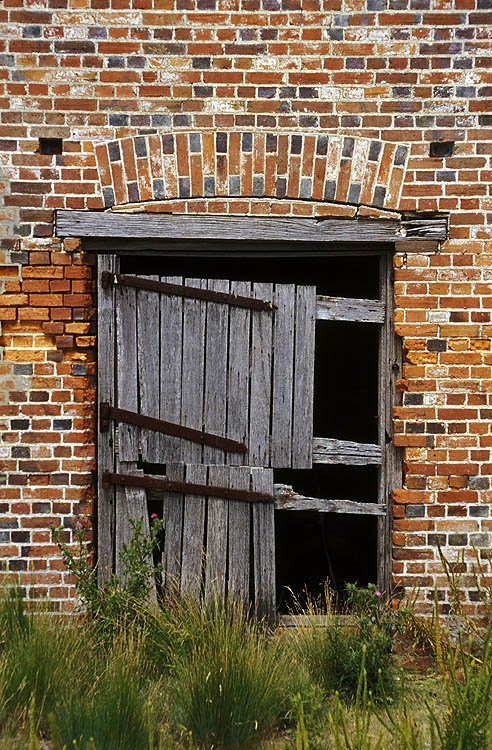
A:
(441, 148)
(50, 146)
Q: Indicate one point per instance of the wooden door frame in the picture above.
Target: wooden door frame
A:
(110, 234)
(390, 473)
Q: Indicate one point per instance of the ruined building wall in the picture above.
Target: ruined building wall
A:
(396, 73)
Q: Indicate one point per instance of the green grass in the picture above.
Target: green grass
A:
(196, 677)
(38, 659)
(232, 687)
(111, 711)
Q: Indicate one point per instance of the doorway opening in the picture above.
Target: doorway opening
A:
(314, 547)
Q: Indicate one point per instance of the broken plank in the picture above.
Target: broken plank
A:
(287, 499)
(431, 229)
(291, 229)
(131, 508)
(330, 451)
(343, 308)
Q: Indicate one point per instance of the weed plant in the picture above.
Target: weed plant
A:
(334, 654)
(233, 686)
(124, 598)
(357, 735)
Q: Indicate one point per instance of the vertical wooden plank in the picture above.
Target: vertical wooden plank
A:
(283, 374)
(194, 312)
(126, 347)
(171, 335)
(302, 426)
(193, 533)
(215, 403)
(131, 505)
(239, 537)
(173, 532)
(216, 560)
(105, 440)
(238, 373)
(390, 471)
(260, 392)
(264, 547)
(148, 347)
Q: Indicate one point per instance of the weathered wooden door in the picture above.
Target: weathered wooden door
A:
(223, 372)
(206, 388)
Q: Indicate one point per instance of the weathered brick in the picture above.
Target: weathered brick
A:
(214, 110)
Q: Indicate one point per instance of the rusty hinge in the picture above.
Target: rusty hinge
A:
(185, 488)
(108, 412)
(108, 279)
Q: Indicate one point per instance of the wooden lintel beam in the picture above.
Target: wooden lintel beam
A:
(267, 229)
(416, 246)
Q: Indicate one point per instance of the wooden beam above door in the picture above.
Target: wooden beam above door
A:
(265, 228)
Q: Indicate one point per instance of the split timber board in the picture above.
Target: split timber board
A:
(285, 229)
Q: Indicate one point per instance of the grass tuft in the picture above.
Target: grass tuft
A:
(231, 688)
(112, 713)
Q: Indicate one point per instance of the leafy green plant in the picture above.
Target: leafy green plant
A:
(302, 739)
(123, 597)
(334, 654)
(232, 686)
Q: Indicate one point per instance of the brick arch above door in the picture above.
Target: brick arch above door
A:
(303, 167)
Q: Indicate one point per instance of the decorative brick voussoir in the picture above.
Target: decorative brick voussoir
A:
(282, 166)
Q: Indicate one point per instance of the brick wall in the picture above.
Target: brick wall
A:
(399, 73)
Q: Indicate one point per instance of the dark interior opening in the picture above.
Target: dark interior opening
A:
(338, 276)
(312, 547)
(346, 381)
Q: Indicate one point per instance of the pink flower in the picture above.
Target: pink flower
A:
(154, 515)
(377, 593)
(170, 604)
